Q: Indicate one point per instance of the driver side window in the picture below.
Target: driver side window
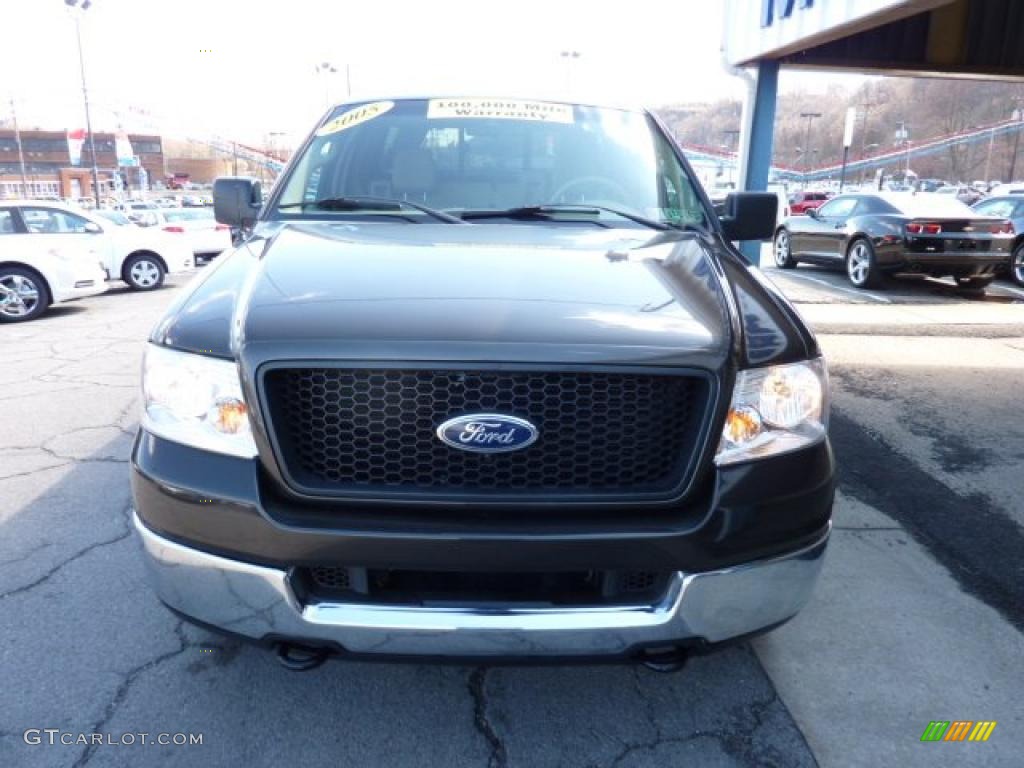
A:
(50, 221)
(839, 208)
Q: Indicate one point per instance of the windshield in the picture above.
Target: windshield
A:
(116, 217)
(461, 155)
(199, 214)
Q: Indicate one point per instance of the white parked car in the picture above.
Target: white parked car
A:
(139, 257)
(37, 270)
(195, 226)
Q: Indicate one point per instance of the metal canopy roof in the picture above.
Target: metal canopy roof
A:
(948, 38)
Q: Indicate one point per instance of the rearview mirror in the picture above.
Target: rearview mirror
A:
(749, 215)
(237, 201)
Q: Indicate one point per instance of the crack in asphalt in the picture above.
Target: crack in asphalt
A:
(65, 459)
(25, 555)
(36, 471)
(649, 712)
(737, 742)
(477, 686)
(126, 684)
(53, 571)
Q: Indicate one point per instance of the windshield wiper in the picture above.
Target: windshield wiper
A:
(549, 210)
(370, 203)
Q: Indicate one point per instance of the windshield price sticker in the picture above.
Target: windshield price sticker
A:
(505, 109)
(354, 117)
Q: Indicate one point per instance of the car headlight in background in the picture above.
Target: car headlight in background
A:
(195, 400)
(775, 410)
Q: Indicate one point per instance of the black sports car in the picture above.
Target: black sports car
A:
(870, 235)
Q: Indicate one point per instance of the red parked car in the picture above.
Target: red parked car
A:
(802, 202)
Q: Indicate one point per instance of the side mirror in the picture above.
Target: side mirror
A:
(93, 228)
(812, 212)
(749, 215)
(237, 201)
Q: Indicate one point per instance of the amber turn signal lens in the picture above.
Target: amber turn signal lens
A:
(230, 416)
(742, 425)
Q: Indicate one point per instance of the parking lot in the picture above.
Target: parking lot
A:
(918, 615)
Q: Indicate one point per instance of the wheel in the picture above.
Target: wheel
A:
(783, 253)
(861, 266)
(23, 295)
(1017, 265)
(973, 283)
(143, 272)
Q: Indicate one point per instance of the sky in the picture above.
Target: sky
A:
(245, 69)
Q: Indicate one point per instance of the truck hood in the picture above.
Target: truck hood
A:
(510, 293)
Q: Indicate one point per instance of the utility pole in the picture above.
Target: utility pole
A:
(569, 56)
(234, 158)
(21, 154)
(810, 117)
(903, 139)
(873, 97)
(988, 156)
(851, 118)
(1018, 115)
(326, 69)
(731, 135)
(85, 95)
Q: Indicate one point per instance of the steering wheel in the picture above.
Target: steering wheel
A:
(589, 183)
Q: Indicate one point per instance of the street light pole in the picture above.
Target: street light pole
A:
(85, 95)
(809, 116)
(21, 154)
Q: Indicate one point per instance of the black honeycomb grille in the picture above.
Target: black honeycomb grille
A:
(342, 430)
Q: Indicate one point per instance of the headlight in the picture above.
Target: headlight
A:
(775, 410)
(195, 400)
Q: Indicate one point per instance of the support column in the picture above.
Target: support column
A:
(759, 149)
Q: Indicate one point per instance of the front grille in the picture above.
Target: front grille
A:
(362, 585)
(328, 577)
(344, 431)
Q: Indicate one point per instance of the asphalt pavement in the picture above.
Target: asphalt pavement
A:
(917, 616)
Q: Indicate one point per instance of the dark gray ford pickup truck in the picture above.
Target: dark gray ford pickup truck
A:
(485, 378)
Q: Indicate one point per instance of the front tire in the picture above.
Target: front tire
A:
(861, 264)
(23, 295)
(143, 272)
(1017, 265)
(783, 251)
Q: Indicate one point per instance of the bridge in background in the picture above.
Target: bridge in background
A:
(895, 156)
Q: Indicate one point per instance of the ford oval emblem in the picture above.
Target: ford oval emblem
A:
(487, 433)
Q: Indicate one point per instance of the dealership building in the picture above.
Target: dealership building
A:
(938, 38)
(50, 172)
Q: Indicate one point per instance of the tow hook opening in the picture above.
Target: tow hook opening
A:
(669, 658)
(300, 658)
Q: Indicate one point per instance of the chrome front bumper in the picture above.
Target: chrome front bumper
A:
(259, 602)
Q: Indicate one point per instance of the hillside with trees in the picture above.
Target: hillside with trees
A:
(927, 108)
